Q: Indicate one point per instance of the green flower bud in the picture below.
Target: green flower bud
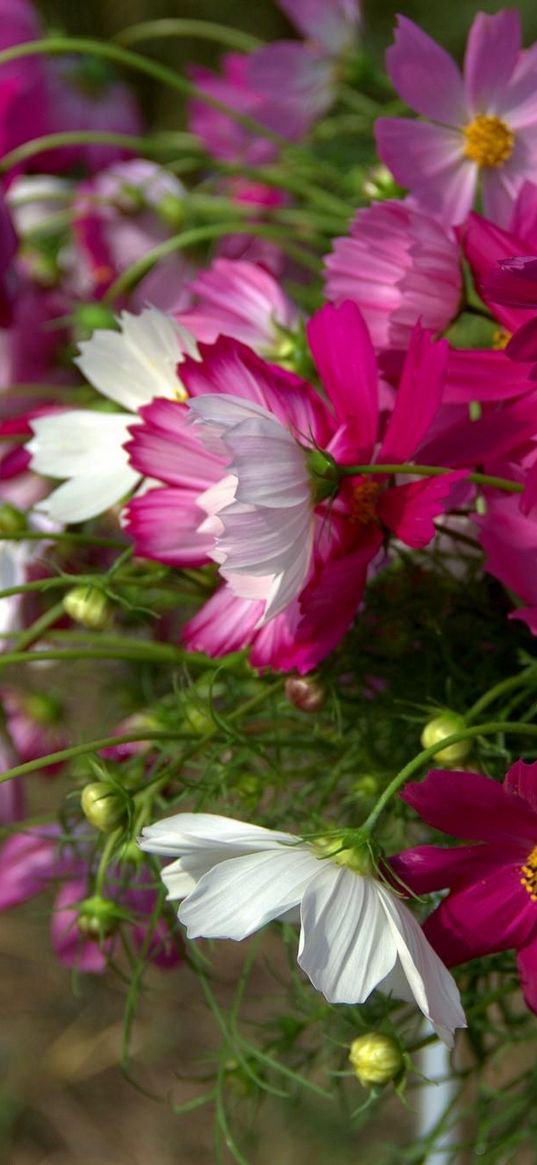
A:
(43, 708)
(90, 316)
(12, 521)
(88, 606)
(102, 807)
(98, 918)
(376, 1059)
(438, 729)
(380, 185)
(172, 211)
(305, 692)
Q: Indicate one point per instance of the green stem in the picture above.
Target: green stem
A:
(57, 45)
(200, 29)
(76, 750)
(196, 235)
(427, 754)
(487, 479)
(500, 689)
(54, 141)
(31, 634)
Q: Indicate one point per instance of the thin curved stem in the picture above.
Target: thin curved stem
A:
(234, 38)
(52, 141)
(489, 729)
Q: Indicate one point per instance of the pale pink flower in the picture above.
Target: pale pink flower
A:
(332, 24)
(399, 265)
(240, 299)
(483, 123)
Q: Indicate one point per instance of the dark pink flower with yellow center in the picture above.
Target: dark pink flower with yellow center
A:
(482, 123)
(492, 904)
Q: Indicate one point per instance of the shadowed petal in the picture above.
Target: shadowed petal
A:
(492, 914)
(345, 946)
(469, 805)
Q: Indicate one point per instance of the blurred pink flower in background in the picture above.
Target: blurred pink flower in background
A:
(483, 122)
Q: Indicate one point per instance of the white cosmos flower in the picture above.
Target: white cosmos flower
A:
(129, 367)
(355, 934)
(262, 512)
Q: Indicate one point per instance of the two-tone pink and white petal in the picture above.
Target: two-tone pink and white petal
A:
(267, 530)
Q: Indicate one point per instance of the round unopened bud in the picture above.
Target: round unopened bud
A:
(98, 918)
(305, 692)
(88, 606)
(438, 729)
(101, 806)
(376, 1059)
(171, 210)
(379, 184)
(43, 708)
(11, 519)
(90, 316)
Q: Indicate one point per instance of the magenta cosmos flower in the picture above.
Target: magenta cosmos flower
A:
(492, 904)
(237, 487)
(484, 121)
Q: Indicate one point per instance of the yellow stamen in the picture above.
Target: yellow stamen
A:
(529, 874)
(364, 502)
(488, 140)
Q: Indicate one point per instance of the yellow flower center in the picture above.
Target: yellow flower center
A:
(364, 502)
(488, 140)
(500, 339)
(529, 874)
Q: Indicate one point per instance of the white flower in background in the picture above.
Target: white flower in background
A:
(355, 934)
(261, 513)
(130, 368)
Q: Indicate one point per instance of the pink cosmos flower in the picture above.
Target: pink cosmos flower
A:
(248, 502)
(483, 123)
(121, 214)
(240, 299)
(223, 137)
(492, 903)
(509, 538)
(399, 266)
(33, 724)
(333, 26)
(32, 862)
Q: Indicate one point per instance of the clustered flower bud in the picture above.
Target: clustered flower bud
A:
(88, 606)
(305, 692)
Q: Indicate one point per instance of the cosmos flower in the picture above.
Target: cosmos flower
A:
(355, 935)
(482, 127)
(492, 903)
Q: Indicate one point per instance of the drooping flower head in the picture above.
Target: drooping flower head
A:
(492, 903)
(355, 935)
(482, 123)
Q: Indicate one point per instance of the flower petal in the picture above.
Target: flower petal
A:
(239, 896)
(492, 51)
(418, 396)
(343, 352)
(133, 366)
(430, 982)
(492, 914)
(469, 805)
(429, 161)
(425, 75)
(345, 946)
